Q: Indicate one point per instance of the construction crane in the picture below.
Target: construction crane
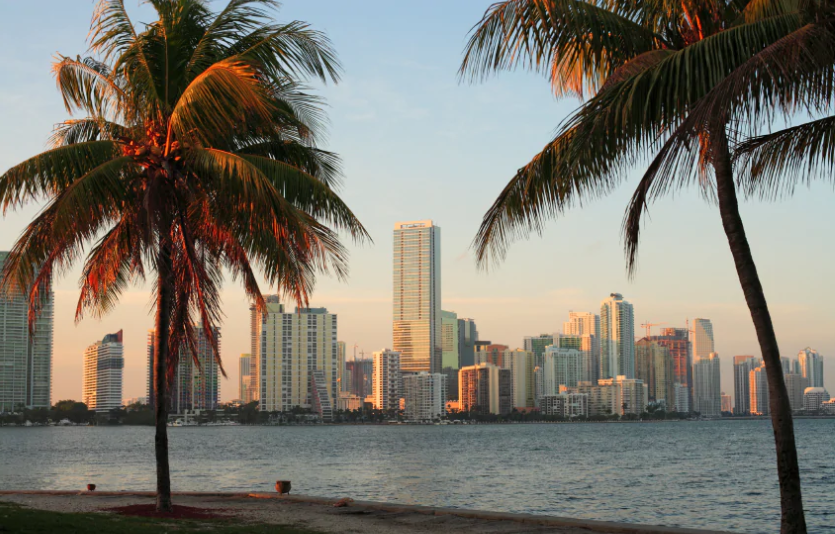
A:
(648, 325)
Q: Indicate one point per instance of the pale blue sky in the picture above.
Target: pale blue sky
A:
(417, 144)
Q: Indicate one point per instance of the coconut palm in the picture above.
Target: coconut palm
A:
(673, 83)
(196, 154)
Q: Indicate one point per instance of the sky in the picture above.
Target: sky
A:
(418, 144)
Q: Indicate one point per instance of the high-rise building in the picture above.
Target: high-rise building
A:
(467, 337)
(484, 388)
(424, 396)
(25, 356)
(341, 353)
(758, 391)
(617, 337)
(702, 338)
(727, 403)
(790, 366)
(195, 384)
(654, 365)
(743, 365)
(570, 366)
(360, 377)
(707, 389)
(104, 362)
(244, 366)
(387, 379)
(811, 366)
(492, 353)
(537, 345)
(796, 384)
(618, 396)
(289, 347)
(523, 384)
(586, 344)
(682, 396)
(586, 324)
(417, 321)
(677, 341)
(814, 398)
(449, 340)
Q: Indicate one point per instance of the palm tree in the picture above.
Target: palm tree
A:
(197, 153)
(675, 82)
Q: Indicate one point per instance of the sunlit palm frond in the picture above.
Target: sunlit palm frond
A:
(74, 131)
(87, 85)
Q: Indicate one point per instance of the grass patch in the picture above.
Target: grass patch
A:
(16, 518)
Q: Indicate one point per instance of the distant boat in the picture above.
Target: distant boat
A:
(65, 422)
(177, 422)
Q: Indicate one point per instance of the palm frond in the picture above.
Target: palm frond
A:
(85, 84)
(75, 131)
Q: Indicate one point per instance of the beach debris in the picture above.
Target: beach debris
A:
(345, 501)
(282, 486)
(91, 487)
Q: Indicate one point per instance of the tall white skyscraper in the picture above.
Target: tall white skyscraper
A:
(104, 362)
(417, 323)
(707, 389)
(289, 349)
(569, 364)
(811, 367)
(244, 365)
(617, 338)
(387, 380)
(25, 358)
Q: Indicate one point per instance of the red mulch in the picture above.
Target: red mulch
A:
(180, 512)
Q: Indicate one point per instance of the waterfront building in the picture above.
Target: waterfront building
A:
(104, 362)
(654, 365)
(677, 342)
(289, 347)
(585, 344)
(244, 366)
(758, 391)
(417, 323)
(702, 338)
(321, 396)
(813, 399)
(25, 355)
(523, 386)
(617, 337)
(796, 385)
(387, 379)
(537, 345)
(707, 392)
(348, 402)
(570, 366)
(828, 407)
(811, 366)
(492, 353)
(587, 326)
(424, 396)
(743, 365)
(727, 403)
(619, 395)
(467, 337)
(341, 353)
(484, 388)
(567, 405)
(682, 396)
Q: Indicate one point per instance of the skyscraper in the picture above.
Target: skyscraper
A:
(811, 367)
(485, 388)
(417, 320)
(195, 385)
(702, 337)
(586, 324)
(387, 380)
(654, 365)
(467, 337)
(424, 396)
(289, 347)
(677, 341)
(743, 365)
(523, 385)
(537, 345)
(25, 357)
(570, 366)
(360, 376)
(758, 391)
(449, 340)
(341, 354)
(796, 384)
(617, 337)
(586, 345)
(244, 365)
(103, 364)
(707, 390)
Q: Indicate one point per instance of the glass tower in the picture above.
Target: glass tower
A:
(417, 296)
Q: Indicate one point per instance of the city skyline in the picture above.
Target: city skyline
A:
(382, 110)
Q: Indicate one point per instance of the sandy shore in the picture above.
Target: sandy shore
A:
(320, 514)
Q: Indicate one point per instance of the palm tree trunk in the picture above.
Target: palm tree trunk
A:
(788, 472)
(162, 334)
